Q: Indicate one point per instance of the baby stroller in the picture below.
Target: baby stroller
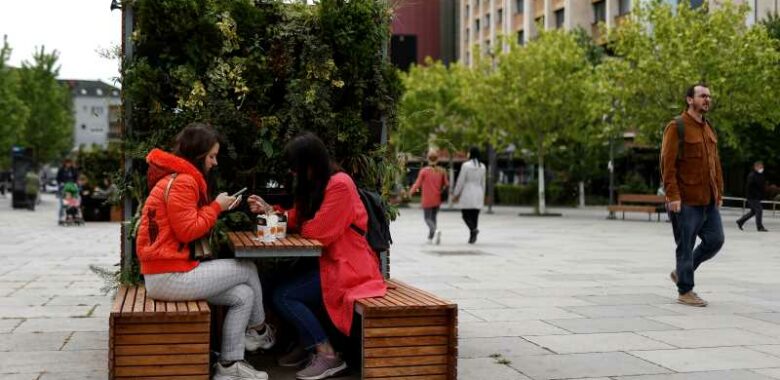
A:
(70, 206)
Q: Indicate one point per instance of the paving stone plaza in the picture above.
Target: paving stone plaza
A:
(573, 297)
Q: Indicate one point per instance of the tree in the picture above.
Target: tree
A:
(49, 127)
(13, 112)
(540, 89)
(666, 51)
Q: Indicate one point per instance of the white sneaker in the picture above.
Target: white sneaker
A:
(254, 341)
(437, 238)
(240, 370)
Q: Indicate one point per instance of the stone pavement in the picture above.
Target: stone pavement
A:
(540, 298)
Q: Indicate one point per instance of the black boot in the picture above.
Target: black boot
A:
(473, 236)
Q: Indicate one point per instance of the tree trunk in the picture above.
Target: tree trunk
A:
(451, 184)
(582, 193)
(542, 206)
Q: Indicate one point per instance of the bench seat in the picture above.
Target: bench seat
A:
(152, 339)
(408, 334)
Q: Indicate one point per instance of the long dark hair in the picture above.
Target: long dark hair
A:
(474, 154)
(193, 144)
(312, 167)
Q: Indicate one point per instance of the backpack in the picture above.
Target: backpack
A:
(378, 234)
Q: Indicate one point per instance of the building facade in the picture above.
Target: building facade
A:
(421, 29)
(96, 110)
(484, 22)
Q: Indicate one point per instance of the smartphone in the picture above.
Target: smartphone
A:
(239, 192)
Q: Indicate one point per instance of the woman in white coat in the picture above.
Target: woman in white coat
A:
(469, 192)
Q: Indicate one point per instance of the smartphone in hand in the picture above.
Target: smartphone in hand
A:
(238, 197)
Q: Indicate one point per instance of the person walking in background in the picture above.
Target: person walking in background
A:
(469, 192)
(756, 183)
(433, 181)
(692, 176)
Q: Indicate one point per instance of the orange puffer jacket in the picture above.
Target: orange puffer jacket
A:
(167, 228)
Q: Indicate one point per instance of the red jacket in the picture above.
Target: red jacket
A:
(167, 228)
(349, 269)
(432, 179)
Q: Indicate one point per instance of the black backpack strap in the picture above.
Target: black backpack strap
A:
(357, 229)
(680, 136)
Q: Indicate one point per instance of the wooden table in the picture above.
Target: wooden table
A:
(293, 245)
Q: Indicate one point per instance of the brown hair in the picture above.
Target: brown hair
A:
(194, 142)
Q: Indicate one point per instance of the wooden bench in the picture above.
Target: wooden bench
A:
(157, 340)
(408, 334)
(648, 203)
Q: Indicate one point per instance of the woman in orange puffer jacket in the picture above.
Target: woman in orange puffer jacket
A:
(179, 211)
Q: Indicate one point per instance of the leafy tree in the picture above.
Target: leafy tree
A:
(665, 51)
(49, 127)
(540, 91)
(13, 112)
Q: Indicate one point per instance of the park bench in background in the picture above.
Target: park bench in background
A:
(408, 334)
(648, 203)
(157, 340)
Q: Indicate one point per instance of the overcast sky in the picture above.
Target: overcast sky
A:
(75, 28)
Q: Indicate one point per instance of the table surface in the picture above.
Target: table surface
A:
(293, 245)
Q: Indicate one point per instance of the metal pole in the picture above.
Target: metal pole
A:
(611, 168)
(491, 177)
(127, 207)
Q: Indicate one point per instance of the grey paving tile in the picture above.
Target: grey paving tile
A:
(506, 346)
(603, 342)
(487, 368)
(771, 349)
(19, 376)
(33, 341)
(63, 324)
(767, 317)
(604, 325)
(519, 314)
(506, 329)
(714, 308)
(710, 338)
(709, 359)
(87, 340)
(773, 373)
(61, 300)
(708, 321)
(538, 301)
(544, 367)
(620, 311)
(627, 299)
(8, 325)
(477, 303)
(94, 375)
(54, 361)
(709, 375)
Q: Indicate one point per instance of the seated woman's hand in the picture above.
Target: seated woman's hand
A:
(257, 205)
(225, 201)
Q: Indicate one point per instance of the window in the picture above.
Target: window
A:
(83, 126)
(624, 6)
(99, 92)
(520, 37)
(519, 4)
(560, 16)
(696, 3)
(476, 25)
(500, 16)
(468, 35)
(477, 6)
(83, 91)
(97, 111)
(468, 12)
(600, 12)
(487, 20)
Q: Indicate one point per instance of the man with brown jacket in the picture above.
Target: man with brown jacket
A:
(691, 174)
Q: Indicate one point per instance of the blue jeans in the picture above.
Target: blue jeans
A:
(297, 300)
(690, 222)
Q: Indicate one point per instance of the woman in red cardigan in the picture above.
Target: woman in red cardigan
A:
(326, 205)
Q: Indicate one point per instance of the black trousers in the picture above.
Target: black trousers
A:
(471, 217)
(755, 210)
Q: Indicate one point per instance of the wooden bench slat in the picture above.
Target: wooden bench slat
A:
(129, 301)
(126, 361)
(403, 322)
(140, 300)
(185, 377)
(416, 370)
(404, 361)
(420, 377)
(119, 300)
(162, 349)
(390, 352)
(142, 339)
(203, 307)
(162, 370)
(384, 332)
(434, 340)
(181, 307)
(162, 328)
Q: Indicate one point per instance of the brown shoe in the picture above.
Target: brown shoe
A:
(673, 276)
(691, 299)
